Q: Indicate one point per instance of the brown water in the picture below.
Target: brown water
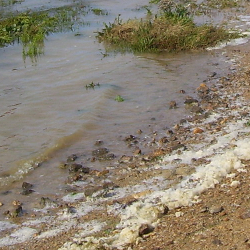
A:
(46, 112)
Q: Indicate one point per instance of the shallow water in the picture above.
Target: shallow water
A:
(46, 112)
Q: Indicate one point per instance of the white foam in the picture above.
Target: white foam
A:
(4, 225)
(19, 236)
(44, 219)
(73, 197)
(65, 226)
(148, 209)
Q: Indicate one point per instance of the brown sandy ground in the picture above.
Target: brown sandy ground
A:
(222, 219)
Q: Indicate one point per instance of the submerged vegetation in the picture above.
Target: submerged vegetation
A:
(173, 29)
(118, 98)
(10, 2)
(31, 29)
(99, 12)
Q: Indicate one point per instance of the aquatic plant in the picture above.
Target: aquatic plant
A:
(247, 124)
(222, 4)
(173, 29)
(9, 2)
(92, 85)
(118, 98)
(31, 29)
(99, 12)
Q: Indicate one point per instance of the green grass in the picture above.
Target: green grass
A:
(222, 4)
(31, 29)
(118, 98)
(172, 30)
(9, 2)
(99, 12)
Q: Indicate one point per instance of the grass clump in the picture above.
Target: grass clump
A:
(4, 3)
(31, 29)
(222, 4)
(172, 30)
(118, 98)
(99, 12)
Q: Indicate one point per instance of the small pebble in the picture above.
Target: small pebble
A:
(215, 209)
(235, 184)
(198, 131)
(179, 214)
(16, 203)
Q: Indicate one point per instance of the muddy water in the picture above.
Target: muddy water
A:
(47, 114)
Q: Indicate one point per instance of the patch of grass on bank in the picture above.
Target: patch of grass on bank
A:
(9, 2)
(222, 4)
(30, 29)
(99, 12)
(171, 30)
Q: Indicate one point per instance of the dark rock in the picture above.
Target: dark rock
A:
(163, 140)
(173, 138)
(176, 145)
(72, 158)
(169, 132)
(27, 188)
(196, 109)
(63, 165)
(26, 185)
(69, 189)
(213, 74)
(71, 210)
(100, 152)
(145, 229)
(76, 177)
(182, 91)
(6, 192)
(130, 138)
(182, 121)
(137, 151)
(139, 131)
(98, 143)
(190, 100)
(27, 191)
(85, 170)
(217, 242)
(108, 194)
(47, 202)
(107, 157)
(74, 167)
(16, 212)
(166, 210)
(172, 105)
